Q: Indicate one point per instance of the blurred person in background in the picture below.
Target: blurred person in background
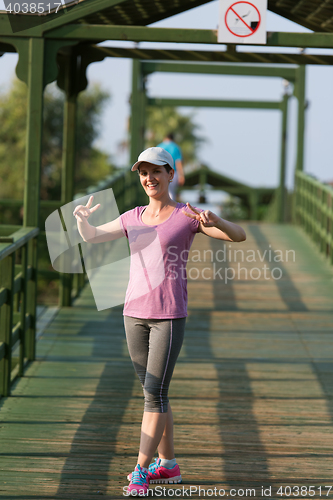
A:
(178, 179)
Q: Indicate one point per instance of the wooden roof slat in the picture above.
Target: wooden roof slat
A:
(316, 15)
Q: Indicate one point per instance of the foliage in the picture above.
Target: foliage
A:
(91, 163)
(163, 120)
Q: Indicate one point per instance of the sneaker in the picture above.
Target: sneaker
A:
(162, 475)
(139, 484)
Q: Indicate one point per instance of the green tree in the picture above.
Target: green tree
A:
(163, 120)
(13, 109)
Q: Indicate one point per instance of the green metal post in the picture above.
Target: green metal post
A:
(24, 264)
(283, 159)
(33, 155)
(68, 161)
(253, 204)
(30, 340)
(203, 181)
(6, 322)
(138, 104)
(32, 176)
(300, 94)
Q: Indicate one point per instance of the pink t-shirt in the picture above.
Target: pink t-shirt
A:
(157, 287)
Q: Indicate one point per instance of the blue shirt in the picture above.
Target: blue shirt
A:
(172, 148)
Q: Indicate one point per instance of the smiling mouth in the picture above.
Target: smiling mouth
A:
(151, 185)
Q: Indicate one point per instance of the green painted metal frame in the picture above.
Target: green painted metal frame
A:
(138, 106)
(287, 72)
(296, 75)
(18, 283)
(313, 210)
(101, 33)
(142, 69)
(269, 105)
(214, 103)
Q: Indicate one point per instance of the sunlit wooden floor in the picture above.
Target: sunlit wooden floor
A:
(251, 392)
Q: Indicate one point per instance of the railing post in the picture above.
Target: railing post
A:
(30, 341)
(7, 266)
(24, 267)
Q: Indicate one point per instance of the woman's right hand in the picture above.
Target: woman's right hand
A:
(82, 212)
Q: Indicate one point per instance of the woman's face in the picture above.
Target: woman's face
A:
(155, 179)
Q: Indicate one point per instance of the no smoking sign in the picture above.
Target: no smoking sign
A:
(242, 22)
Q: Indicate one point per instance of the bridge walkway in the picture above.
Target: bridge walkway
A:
(251, 392)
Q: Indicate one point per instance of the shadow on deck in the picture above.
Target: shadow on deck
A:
(251, 392)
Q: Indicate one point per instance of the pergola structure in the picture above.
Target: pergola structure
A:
(294, 74)
(60, 46)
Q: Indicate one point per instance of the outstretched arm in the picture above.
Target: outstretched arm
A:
(107, 232)
(212, 225)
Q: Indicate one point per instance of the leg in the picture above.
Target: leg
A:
(153, 434)
(166, 448)
(165, 341)
(152, 428)
(137, 337)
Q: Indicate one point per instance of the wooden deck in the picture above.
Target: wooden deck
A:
(251, 392)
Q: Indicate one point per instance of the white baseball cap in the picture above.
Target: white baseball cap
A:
(156, 156)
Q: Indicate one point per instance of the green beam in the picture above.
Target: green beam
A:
(133, 33)
(96, 53)
(178, 35)
(220, 69)
(302, 40)
(212, 103)
(207, 56)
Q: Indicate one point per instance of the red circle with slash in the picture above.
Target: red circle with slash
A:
(244, 24)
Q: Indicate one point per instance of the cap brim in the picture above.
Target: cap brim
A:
(156, 162)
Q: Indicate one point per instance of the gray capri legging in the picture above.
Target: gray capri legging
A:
(154, 345)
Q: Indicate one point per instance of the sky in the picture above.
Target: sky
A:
(243, 144)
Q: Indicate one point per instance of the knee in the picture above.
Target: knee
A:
(156, 398)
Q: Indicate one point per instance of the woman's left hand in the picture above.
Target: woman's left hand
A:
(207, 218)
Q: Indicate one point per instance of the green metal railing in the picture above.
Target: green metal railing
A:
(313, 210)
(18, 280)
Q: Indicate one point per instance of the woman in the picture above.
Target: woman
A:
(155, 307)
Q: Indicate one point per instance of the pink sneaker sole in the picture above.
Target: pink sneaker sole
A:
(166, 480)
